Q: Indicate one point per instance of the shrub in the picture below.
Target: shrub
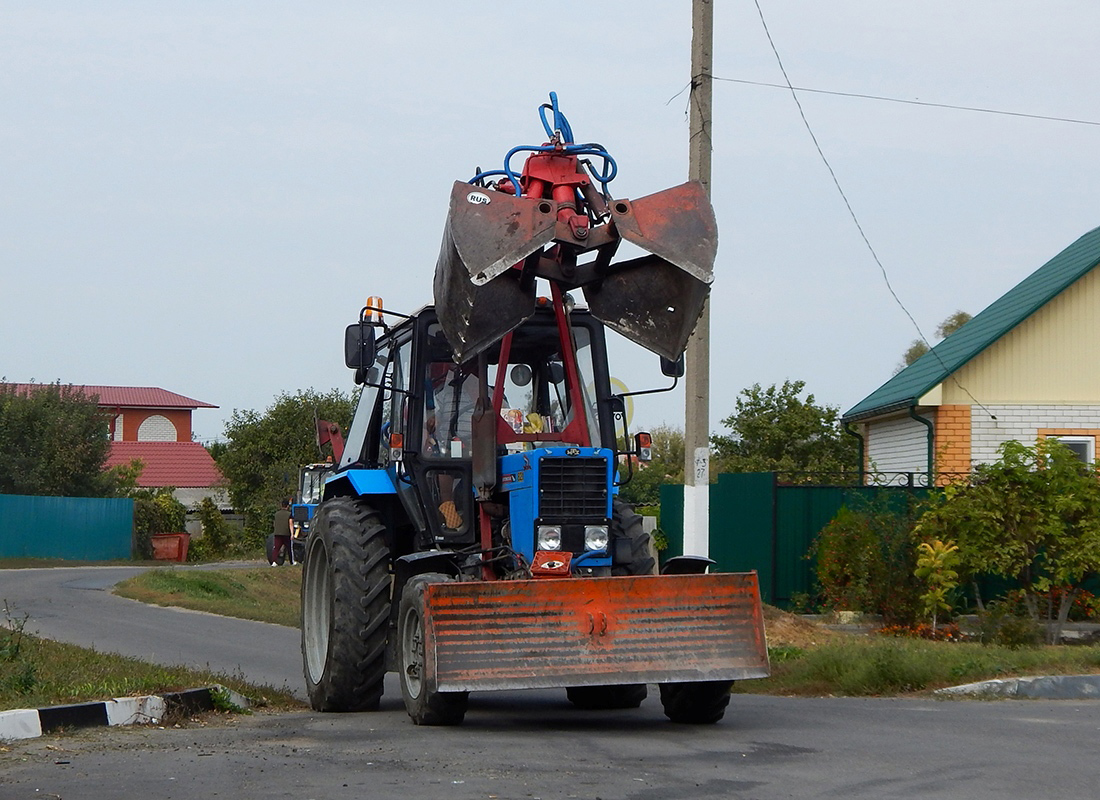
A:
(217, 537)
(1006, 623)
(155, 511)
(866, 558)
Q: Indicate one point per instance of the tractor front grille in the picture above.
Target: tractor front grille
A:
(573, 489)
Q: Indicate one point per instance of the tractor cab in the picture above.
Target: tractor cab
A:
(445, 431)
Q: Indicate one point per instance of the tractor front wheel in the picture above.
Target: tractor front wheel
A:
(700, 703)
(425, 705)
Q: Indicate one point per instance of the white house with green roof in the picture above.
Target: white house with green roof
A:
(1026, 367)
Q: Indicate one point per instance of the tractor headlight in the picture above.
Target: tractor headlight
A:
(549, 537)
(595, 537)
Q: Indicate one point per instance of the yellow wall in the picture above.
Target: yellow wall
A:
(1049, 359)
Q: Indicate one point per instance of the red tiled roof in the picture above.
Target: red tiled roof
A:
(130, 396)
(183, 465)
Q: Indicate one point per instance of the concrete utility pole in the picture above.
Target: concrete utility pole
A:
(697, 356)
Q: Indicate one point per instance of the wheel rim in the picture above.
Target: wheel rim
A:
(412, 654)
(316, 610)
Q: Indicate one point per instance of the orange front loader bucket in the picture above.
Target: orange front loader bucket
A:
(594, 631)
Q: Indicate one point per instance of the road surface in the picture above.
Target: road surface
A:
(521, 744)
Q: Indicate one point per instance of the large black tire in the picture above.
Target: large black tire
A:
(272, 556)
(425, 705)
(625, 524)
(700, 703)
(345, 607)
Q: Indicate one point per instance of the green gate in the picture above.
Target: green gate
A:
(758, 524)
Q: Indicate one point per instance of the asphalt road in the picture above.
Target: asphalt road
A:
(526, 744)
(533, 745)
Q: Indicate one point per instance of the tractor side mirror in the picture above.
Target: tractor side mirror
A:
(672, 369)
(359, 346)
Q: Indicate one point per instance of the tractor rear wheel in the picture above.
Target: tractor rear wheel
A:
(700, 703)
(625, 524)
(425, 705)
(345, 607)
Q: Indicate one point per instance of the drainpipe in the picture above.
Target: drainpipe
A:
(931, 440)
(849, 430)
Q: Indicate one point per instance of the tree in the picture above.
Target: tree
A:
(263, 452)
(1032, 516)
(54, 441)
(918, 347)
(667, 466)
(774, 430)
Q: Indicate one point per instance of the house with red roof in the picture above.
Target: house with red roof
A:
(154, 426)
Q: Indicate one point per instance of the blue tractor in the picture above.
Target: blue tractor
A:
(471, 536)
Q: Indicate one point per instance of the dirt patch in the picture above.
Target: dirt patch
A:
(790, 630)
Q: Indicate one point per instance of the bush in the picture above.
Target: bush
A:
(866, 558)
(217, 540)
(155, 511)
(1007, 623)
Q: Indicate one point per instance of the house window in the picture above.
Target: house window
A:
(1084, 447)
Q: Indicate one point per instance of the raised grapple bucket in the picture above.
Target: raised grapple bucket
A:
(594, 631)
(493, 248)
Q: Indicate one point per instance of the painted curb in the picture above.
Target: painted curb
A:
(29, 723)
(1050, 687)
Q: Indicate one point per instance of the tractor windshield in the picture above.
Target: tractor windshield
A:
(536, 397)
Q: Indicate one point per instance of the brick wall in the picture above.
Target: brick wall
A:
(1026, 424)
(953, 438)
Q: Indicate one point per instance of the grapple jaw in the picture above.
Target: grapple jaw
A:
(493, 248)
(656, 300)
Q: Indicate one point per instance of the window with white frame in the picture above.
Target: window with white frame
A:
(1084, 447)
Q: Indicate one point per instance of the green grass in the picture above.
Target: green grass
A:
(38, 672)
(264, 594)
(870, 666)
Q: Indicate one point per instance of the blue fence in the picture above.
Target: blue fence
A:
(77, 528)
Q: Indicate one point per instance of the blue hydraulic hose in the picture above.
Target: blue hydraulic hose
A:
(587, 555)
(560, 124)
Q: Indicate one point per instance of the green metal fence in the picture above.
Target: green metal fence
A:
(77, 528)
(758, 524)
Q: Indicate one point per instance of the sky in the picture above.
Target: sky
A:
(200, 196)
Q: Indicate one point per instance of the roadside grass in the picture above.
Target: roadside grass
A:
(263, 594)
(35, 673)
(879, 665)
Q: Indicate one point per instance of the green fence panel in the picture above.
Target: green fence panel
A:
(756, 524)
(742, 509)
(800, 514)
(672, 519)
(77, 528)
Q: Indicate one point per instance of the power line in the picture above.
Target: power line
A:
(836, 182)
(885, 99)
